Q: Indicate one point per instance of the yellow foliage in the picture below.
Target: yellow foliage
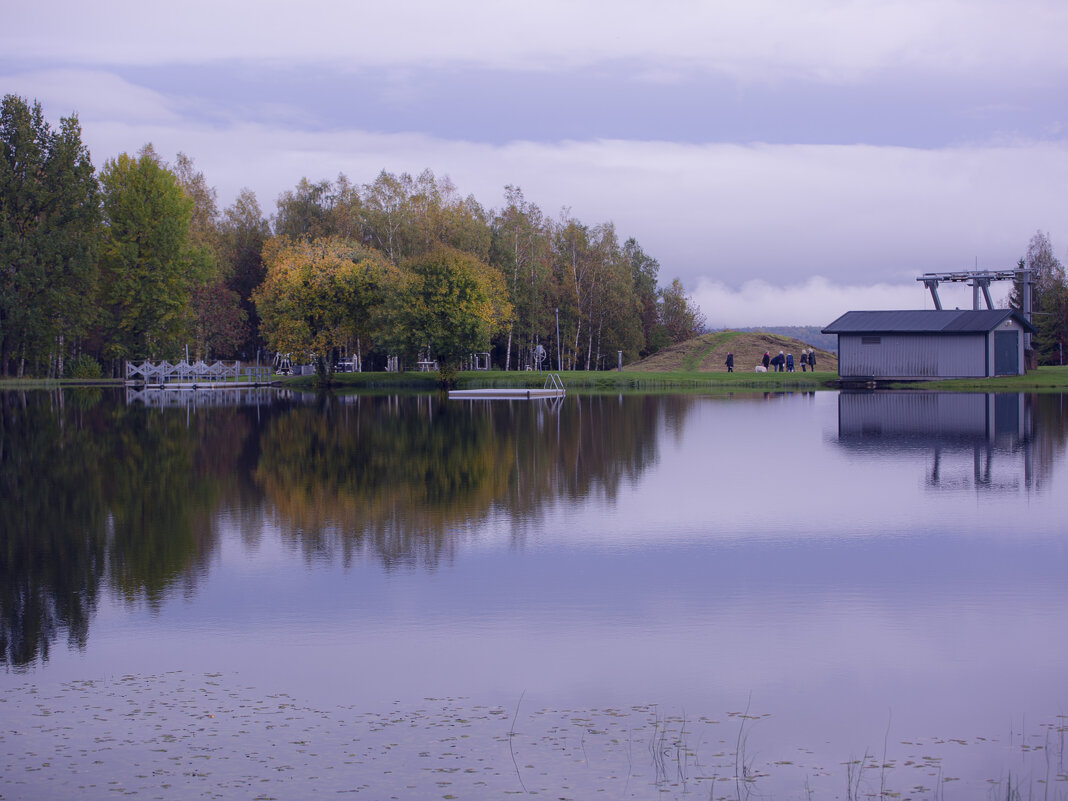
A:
(319, 295)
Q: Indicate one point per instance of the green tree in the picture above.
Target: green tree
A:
(319, 297)
(387, 221)
(645, 271)
(49, 218)
(1049, 299)
(243, 232)
(148, 265)
(521, 249)
(679, 316)
(450, 304)
(304, 212)
(220, 322)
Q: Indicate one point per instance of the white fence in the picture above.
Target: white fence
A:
(198, 372)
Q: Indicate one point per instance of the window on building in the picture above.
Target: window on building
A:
(871, 340)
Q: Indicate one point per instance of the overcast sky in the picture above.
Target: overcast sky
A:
(787, 160)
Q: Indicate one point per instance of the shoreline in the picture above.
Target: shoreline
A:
(1044, 379)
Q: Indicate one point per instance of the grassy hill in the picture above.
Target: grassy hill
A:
(708, 352)
(812, 335)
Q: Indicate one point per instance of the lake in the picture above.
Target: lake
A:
(786, 595)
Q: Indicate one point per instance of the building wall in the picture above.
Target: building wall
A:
(914, 355)
(904, 417)
(1009, 325)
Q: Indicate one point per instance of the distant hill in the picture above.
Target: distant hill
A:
(809, 334)
(708, 353)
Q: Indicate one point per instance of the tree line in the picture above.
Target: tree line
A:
(1049, 299)
(137, 261)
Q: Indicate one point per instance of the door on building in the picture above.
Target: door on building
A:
(1006, 352)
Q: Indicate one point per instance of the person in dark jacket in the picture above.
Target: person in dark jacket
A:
(766, 360)
(730, 362)
(812, 360)
(778, 361)
(789, 362)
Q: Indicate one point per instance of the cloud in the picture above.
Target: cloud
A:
(859, 215)
(94, 95)
(823, 40)
(782, 213)
(817, 301)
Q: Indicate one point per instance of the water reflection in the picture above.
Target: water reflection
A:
(100, 496)
(982, 442)
(406, 478)
(185, 398)
(600, 553)
(93, 488)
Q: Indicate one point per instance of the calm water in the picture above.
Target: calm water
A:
(785, 596)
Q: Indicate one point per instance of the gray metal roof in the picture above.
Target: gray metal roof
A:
(920, 321)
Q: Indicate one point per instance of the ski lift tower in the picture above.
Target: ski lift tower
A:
(980, 284)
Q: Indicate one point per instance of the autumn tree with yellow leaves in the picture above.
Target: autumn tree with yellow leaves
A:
(320, 297)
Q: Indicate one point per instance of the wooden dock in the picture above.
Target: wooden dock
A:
(554, 388)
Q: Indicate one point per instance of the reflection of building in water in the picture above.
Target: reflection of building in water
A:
(182, 398)
(975, 440)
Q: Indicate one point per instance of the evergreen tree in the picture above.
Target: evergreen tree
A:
(49, 216)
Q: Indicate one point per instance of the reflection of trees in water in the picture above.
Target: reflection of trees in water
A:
(1049, 434)
(96, 493)
(393, 472)
(52, 540)
(90, 490)
(406, 478)
(164, 497)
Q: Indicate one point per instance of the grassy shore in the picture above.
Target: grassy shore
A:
(1044, 379)
(582, 380)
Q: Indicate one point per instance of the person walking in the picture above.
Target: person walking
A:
(812, 359)
(789, 362)
(730, 362)
(804, 359)
(766, 360)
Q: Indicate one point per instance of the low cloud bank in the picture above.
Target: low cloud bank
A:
(817, 301)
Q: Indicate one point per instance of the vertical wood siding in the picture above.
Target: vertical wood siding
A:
(913, 356)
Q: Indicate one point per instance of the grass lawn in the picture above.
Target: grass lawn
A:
(1044, 379)
(609, 380)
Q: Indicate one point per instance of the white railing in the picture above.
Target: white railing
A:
(183, 372)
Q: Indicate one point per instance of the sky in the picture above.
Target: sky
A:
(787, 161)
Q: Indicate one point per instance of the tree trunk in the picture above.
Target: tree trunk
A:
(508, 349)
(597, 361)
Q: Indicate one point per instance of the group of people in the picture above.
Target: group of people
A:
(782, 362)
